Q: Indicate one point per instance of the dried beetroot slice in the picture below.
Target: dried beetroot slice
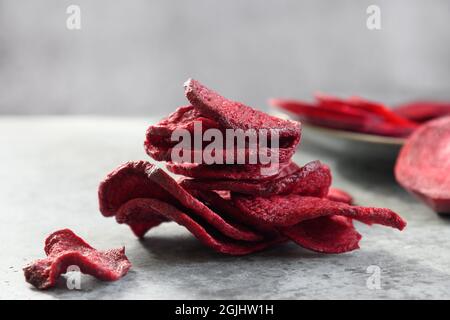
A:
(161, 153)
(221, 201)
(142, 179)
(229, 172)
(182, 118)
(140, 211)
(381, 110)
(336, 114)
(423, 166)
(158, 142)
(235, 115)
(421, 111)
(338, 195)
(328, 234)
(211, 114)
(389, 129)
(358, 105)
(337, 104)
(313, 179)
(64, 248)
(288, 210)
(312, 114)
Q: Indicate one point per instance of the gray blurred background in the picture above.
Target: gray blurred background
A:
(132, 56)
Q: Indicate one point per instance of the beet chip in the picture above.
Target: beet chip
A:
(288, 210)
(423, 166)
(141, 211)
(328, 234)
(235, 115)
(141, 179)
(422, 111)
(63, 248)
(338, 195)
(213, 111)
(313, 179)
(158, 143)
(224, 171)
(354, 114)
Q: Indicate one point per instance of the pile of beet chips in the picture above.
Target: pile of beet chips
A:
(235, 208)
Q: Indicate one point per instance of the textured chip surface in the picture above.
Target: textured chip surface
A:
(312, 179)
(423, 166)
(63, 248)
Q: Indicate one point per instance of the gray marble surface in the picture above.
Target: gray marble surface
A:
(50, 169)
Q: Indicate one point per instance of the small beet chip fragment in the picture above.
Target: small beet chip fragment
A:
(63, 249)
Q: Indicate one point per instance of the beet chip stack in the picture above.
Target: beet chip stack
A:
(235, 208)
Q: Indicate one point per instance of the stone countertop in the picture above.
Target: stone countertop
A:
(49, 173)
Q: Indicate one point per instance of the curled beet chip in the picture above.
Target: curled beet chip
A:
(328, 234)
(336, 119)
(338, 195)
(235, 115)
(141, 211)
(212, 111)
(63, 248)
(159, 142)
(291, 209)
(423, 165)
(312, 179)
(358, 105)
(141, 179)
(354, 114)
(422, 111)
(224, 171)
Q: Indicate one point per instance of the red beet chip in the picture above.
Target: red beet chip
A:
(158, 142)
(338, 195)
(421, 111)
(164, 153)
(235, 115)
(288, 210)
(182, 118)
(328, 234)
(313, 179)
(312, 114)
(63, 248)
(359, 105)
(208, 111)
(225, 171)
(423, 165)
(142, 179)
(139, 212)
(344, 117)
(223, 204)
